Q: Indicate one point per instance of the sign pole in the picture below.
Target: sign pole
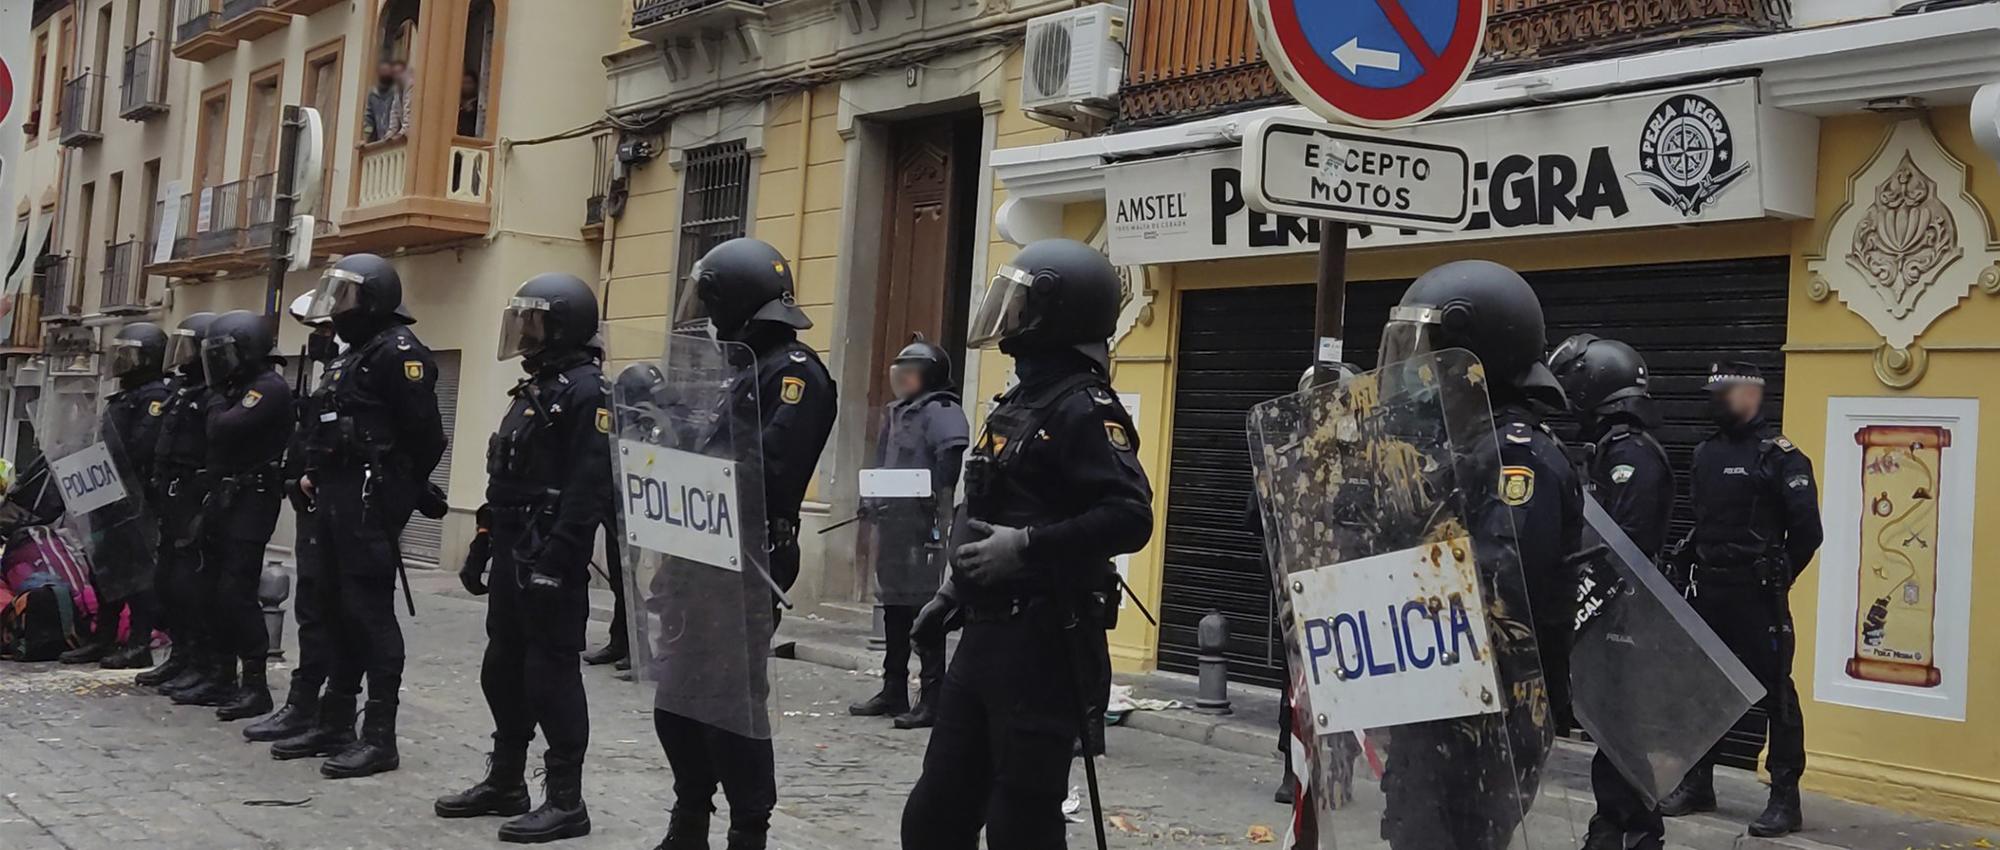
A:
(1330, 302)
(284, 205)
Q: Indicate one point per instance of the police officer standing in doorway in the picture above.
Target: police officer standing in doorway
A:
(1490, 310)
(132, 416)
(923, 428)
(743, 288)
(376, 441)
(1756, 528)
(249, 425)
(179, 488)
(548, 490)
(1054, 491)
(312, 604)
(1627, 471)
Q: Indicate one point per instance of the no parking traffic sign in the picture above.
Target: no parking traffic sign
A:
(1377, 63)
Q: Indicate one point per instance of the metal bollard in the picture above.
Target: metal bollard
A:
(274, 586)
(1213, 635)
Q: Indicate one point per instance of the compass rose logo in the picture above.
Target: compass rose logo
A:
(1687, 154)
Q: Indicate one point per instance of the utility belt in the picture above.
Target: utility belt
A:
(178, 480)
(1099, 607)
(1770, 573)
(783, 532)
(227, 489)
(340, 442)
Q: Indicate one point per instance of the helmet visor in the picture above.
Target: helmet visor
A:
(523, 327)
(689, 309)
(999, 313)
(182, 348)
(339, 291)
(221, 357)
(1411, 331)
(126, 357)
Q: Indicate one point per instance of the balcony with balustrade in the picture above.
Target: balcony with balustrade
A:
(195, 36)
(142, 93)
(125, 287)
(213, 233)
(306, 7)
(58, 288)
(249, 20)
(83, 110)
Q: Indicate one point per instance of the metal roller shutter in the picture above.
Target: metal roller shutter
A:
(423, 538)
(1240, 346)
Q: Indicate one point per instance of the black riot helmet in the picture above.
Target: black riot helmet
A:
(184, 344)
(1485, 308)
(550, 313)
(1056, 293)
(360, 286)
(238, 344)
(930, 364)
(138, 352)
(1602, 378)
(738, 282)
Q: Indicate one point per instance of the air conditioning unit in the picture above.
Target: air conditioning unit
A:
(1074, 62)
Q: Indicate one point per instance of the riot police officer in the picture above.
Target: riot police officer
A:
(923, 428)
(1627, 470)
(179, 488)
(377, 438)
(1756, 528)
(131, 417)
(548, 490)
(249, 424)
(311, 597)
(1490, 310)
(1054, 491)
(743, 288)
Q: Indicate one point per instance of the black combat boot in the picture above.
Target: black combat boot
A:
(1781, 816)
(925, 713)
(893, 699)
(332, 732)
(295, 717)
(194, 675)
(503, 792)
(136, 656)
(1604, 835)
(216, 690)
(1696, 793)
(374, 752)
(561, 814)
(612, 653)
(253, 694)
(687, 829)
(89, 653)
(176, 663)
(747, 839)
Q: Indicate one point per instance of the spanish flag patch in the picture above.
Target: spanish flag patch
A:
(1116, 434)
(1517, 485)
(153, 409)
(413, 369)
(603, 420)
(792, 390)
(251, 398)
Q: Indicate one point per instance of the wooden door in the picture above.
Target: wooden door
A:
(918, 244)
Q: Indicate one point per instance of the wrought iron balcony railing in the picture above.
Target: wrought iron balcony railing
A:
(143, 90)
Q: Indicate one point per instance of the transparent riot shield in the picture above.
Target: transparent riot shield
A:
(1651, 682)
(690, 486)
(1416, 680)
(104, 498)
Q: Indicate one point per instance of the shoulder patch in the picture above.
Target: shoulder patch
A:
(413, 369)
(604, 420)
(800, 357)
(153, 409)
(1517, 485)
(251, 398)
(1102, 396)
(1115, 433)
(1622, 473)
(1783, 443)
(791, 389)
(1799, 482)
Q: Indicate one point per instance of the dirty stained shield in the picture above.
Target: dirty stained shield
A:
(104, 499)
(688, 458)
(1418, 692)
(1652, 683)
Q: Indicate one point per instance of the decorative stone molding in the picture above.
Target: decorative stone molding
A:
(1135, 293)
(1907, 245)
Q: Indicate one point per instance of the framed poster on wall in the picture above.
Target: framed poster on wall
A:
(1895, 582)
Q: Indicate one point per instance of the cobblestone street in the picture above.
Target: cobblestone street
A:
(96, 763)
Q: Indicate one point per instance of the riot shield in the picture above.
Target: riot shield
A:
(104, 500)
(688, 456)
(1418, 690)
(1652, 683)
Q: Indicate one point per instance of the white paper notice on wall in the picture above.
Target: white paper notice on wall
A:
(896, 484)
(1123, 563)
(88, 479)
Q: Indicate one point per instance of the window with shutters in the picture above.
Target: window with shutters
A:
(714, 201)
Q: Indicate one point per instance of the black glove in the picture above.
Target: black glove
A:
(996, 557)
(473, 574)
(938, 618)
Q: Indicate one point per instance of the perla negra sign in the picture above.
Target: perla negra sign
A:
(680, 503)
(1686, 156)
(1396, 638)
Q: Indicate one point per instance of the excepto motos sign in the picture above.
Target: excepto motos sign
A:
(681, 504)
(1657, 159)
(1395, 638)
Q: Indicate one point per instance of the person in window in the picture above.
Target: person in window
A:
(468, 105)
(388, 112)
